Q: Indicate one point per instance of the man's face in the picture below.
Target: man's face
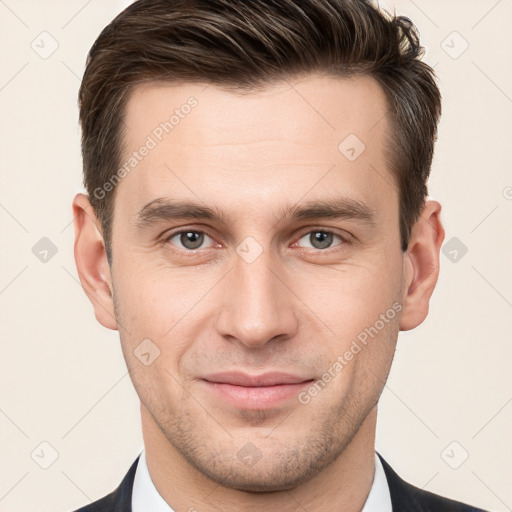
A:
(246, 312)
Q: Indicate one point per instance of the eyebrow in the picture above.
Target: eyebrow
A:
(163, 209)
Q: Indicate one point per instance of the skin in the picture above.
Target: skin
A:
(294, 309)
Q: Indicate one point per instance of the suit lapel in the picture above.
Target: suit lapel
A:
(403, 495)
(122, 496)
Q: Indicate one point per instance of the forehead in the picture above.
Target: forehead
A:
(308, 136)
(291, 110)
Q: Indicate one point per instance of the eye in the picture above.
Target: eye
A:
(321, 239)
(189, 239)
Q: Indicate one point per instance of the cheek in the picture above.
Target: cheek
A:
(158, 304)
(153, 297)
(352, 297)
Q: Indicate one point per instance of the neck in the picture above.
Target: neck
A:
(343, 485)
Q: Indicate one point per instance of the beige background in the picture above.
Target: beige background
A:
(63, 378)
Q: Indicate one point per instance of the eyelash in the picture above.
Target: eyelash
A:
(344, 240)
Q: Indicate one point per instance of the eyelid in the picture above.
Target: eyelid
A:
(323, 229)
(345, 237)
(170, 235)
(312, 229)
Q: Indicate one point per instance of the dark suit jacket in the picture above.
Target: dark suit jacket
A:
(404, 497)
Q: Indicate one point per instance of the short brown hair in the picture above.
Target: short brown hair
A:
(243, 44)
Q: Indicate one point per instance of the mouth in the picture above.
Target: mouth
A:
(245, 391)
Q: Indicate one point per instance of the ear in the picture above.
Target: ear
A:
(91, 261)
(421, 266)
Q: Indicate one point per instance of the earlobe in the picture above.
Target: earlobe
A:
(421, 266)
(91, 261)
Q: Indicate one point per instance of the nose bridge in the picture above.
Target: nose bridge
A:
(257, 305)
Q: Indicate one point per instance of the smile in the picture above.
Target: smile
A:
(255, 391)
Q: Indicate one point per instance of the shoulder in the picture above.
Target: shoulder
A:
(406, 497)
(118, 500)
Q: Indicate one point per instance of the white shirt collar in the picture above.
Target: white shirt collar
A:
(145, 497)
(379, 499)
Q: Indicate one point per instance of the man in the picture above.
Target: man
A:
(258, 230)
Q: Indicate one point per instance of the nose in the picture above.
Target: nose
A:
(257, 304)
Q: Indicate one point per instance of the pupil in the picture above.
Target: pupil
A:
(191, 239)
(321, 240)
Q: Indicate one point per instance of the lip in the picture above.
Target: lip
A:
(263, 391)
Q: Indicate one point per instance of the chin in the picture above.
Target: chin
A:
(274, 472)
(264, 481)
